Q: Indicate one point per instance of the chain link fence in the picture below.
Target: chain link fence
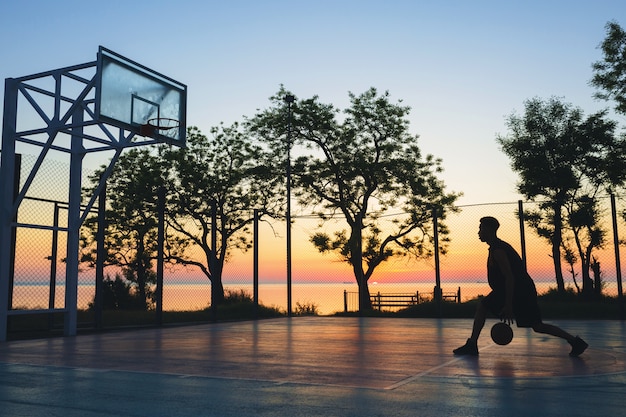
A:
(319, 280)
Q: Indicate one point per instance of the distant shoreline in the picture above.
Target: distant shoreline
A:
(328, 297)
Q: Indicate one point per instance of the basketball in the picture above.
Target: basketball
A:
(501, 333)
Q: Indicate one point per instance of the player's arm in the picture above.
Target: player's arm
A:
(503, 263)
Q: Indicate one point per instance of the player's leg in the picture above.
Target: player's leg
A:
(552, 330)
(479, 321)
(528, 314)
(578, 344)
(471, 346)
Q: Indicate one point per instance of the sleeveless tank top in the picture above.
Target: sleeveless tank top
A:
(496, 278)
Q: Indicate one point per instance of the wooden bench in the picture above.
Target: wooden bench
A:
(380, 301)
(400, 300)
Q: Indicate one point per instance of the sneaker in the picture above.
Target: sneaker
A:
(469, 348)
(578, 346)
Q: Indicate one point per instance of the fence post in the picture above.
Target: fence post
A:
(100, 258)
(160, 254)
(213, 258)
(522, 233)
(255, 266)
(618, 270)
(54, 254)
(345, 301)
(437, 293)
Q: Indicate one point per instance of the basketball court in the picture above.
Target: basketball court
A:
(302, 366)
(309, 366)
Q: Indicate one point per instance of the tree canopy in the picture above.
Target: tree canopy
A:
(359, 167)
(214, 184)
(610, 73)
(131, 236)
(564, 159)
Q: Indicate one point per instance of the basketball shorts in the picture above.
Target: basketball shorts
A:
(525, 306)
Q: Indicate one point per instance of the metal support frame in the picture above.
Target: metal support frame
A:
(67, 125)
(7, 166)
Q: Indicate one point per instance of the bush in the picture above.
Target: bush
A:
(306, 309)
(119, 294)
(553, 294)
(239, 305)
(239, 296)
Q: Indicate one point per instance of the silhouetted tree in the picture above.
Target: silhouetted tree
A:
(564, 161)
(131, 235)
(360, 167)
(609, 74)
(224, 173)
(119, 294)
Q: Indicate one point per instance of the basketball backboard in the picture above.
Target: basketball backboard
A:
(136, 98)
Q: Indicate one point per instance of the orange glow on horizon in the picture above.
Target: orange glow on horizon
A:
(465, 259)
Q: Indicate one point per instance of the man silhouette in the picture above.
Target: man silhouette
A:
(513, 295)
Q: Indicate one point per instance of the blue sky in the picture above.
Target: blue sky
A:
(462, 66)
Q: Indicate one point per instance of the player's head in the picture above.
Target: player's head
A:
(488, 228)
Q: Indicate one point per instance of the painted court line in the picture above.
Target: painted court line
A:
(429, 371)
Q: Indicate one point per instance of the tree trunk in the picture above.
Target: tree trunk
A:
(217, 292)
(216, 266)
(557, 239)
(597, 278)
(356, 257)
(141, 271)
(141, 286)
(587, 284)
(558, 272)
(365, 302)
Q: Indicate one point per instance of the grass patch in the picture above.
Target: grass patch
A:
(29, 326)
(552, 304)
(239, 306)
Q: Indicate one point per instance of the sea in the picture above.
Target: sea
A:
(327, 298)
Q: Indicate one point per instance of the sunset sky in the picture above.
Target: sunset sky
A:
(462, 66)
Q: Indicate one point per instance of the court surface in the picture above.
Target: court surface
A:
(315, 366)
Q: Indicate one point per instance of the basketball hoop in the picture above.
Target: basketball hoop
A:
(158, 125)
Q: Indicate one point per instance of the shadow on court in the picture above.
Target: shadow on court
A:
(315, 366)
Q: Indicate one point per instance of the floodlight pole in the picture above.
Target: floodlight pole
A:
(289, 99)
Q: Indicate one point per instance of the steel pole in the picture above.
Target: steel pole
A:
(289, 99)
(7, 171)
